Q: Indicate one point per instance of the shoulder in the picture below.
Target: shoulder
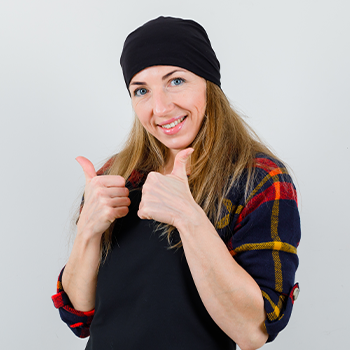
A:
(258, 196)
(270, 183)
(266, 174)
(265, 165)
(271, 176)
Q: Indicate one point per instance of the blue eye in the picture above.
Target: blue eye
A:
(177, 81)
(140, 92)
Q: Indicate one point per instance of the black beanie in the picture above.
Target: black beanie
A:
(171, 42)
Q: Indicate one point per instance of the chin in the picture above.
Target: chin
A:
(176, 146)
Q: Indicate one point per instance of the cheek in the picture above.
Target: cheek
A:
(201, 106)
(200, 98)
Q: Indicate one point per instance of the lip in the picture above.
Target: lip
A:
(175, 129)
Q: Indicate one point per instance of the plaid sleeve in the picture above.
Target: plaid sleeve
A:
(264, 235)
(78, 321)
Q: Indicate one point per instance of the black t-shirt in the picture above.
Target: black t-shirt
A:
(146, 297)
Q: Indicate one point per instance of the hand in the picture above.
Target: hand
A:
(167, 198)
(105, 199)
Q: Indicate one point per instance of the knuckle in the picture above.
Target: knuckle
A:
(95, 181)
(148, 186)
(98, 192)
(141, 213)
(141, 205)
(110, 214)
(121, 211)
(121, 180)
(122, 201)
(152, 176)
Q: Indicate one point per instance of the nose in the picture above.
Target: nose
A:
(162, 103)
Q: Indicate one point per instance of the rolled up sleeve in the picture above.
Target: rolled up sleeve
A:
(265, 234)
(78, 321)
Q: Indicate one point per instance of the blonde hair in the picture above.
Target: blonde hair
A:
(223, 149)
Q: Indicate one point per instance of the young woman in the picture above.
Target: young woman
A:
(186, 238)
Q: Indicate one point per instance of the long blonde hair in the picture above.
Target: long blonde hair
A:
(224, 147)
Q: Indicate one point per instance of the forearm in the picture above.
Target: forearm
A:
(229, 293)
(80, 274)
(105, 199)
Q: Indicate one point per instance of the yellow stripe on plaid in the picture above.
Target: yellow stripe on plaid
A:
(239, 209)
(275, 237)
(272, 316)
(59, 285)
(281, 246)
(228, 204)
(274, 217)
(226, 219)
(278, 271)
(277, 246)
(223, 222)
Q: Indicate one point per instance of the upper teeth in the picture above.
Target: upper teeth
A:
(171, 125)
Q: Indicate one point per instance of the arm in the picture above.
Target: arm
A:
(106, 199)
(231, 289)
(80, 275)
(264, 236)
(229, 293)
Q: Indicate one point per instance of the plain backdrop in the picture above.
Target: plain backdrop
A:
(285, 65)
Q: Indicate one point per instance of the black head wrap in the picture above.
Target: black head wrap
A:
(172, 42)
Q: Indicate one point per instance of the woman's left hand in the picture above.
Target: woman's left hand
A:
(167, 198)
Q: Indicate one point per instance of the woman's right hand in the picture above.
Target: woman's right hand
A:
(105, 199)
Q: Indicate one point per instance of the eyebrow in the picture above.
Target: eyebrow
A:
(163, 78)
(169, 74)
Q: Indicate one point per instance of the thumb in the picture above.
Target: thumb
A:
(88, 168)
(180, 163)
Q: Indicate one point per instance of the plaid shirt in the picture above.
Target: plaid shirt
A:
(261, 232)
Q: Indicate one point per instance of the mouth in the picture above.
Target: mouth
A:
(174, 123)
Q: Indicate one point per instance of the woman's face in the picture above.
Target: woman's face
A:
(170, 103)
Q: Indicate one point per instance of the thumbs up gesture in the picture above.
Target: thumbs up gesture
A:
(105, 199)
(167, 198)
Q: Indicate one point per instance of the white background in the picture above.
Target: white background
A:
(285, 65)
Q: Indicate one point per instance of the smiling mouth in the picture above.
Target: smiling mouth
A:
(171, 125)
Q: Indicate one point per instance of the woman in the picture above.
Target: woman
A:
(197, 249)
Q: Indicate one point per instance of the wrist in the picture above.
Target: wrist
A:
(87, 240)
(192, 222)
(86, 233)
